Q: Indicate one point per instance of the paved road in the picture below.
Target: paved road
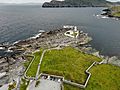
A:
(45, 85)
(4, 87)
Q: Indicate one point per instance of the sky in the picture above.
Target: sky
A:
(31, 1)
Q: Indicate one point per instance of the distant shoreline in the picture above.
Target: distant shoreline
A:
(69, 6)
(75, 4)
(108, 13)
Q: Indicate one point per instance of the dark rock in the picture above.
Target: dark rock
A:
(75, 3)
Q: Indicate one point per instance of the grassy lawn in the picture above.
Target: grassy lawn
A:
(116, 11)
(117, 14)
(24, 84)
(115, 8)
(67, 62)
(29, 59)
(69, 87)
(104, 77)
(33, 68)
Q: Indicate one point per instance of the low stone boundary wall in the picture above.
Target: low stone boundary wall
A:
(27, 77)
(63, 80)
(73, 83)
(43, 74)
(86, 82)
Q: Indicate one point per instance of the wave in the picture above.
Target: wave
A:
(101, 16)
(106, 17)
(37, 35)
(16, 42)
(33, 37)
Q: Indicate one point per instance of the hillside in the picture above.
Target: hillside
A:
(76, 3)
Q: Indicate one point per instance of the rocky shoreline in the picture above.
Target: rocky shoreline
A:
(14, 54)
(108, 13)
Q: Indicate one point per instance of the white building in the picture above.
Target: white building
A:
(73, 32)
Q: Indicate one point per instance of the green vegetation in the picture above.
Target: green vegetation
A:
(87, 2)
(71, 64)
(117, 14)
(69, 87)
(76, 3)
(29, 59)
(33, 68)
(11, 87)
(67, 62)
(104, 77)
(24, 84)
(116, 11)
(116, 8)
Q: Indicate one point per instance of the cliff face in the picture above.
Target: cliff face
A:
(76, 3)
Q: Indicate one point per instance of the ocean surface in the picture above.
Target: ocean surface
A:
(18, 22)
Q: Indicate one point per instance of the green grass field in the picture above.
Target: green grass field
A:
(69, 87)
(104, 77)
(117, 14)
(29, 59)
(23, 84)
(33, 68)
(71, 64)
(67, 62)
(116, 11)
